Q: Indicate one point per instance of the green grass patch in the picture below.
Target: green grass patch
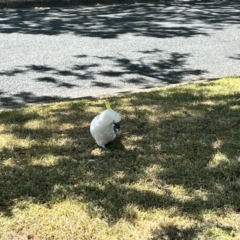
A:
(172, 173)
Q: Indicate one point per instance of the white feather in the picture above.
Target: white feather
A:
(102, 127)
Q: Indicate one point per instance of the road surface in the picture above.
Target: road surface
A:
(49, 54)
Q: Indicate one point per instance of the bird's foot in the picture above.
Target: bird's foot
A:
(104, 148)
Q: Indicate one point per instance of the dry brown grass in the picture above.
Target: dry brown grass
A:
(173, 173)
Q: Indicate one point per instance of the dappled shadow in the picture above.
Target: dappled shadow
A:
(51, 84)
(196, 149)
(196, 142)
(154, 68)
(161, 20)
(175, 233)
(52, 71)
(23, 98)
(236, 57)
(97, 72)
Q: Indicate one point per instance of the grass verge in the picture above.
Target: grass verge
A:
(173, 173)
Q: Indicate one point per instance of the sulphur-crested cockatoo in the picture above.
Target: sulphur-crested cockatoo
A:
(104, 126)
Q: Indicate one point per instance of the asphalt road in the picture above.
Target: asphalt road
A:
(48, 54)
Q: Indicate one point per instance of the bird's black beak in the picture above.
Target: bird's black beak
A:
(116, 127)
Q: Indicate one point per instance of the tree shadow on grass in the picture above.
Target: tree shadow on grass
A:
(174, 232)
(190, 145)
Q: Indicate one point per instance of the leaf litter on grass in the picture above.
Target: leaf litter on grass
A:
(172, 173)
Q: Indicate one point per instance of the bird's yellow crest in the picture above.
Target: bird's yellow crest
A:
(108, 106)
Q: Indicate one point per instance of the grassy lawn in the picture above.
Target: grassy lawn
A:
(173, 173)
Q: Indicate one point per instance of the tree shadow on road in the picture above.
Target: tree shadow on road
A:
(160, 20)
(154, 68)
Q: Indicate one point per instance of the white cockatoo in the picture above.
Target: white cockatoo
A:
(104, 126)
